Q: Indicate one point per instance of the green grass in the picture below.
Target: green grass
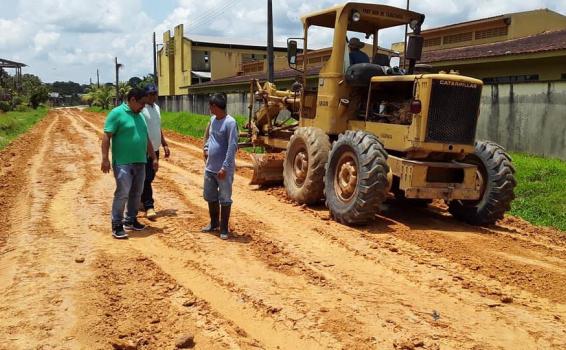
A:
(191, 124)
(541, 190)
(13, 124)
(97, 109)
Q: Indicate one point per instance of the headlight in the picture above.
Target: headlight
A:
(356, 16)
(413, 24)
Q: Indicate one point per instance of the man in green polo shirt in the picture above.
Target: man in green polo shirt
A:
(125, 127)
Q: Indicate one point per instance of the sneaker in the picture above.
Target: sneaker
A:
(134, 225)
(151, 214)
(224, 236)
(118, 232)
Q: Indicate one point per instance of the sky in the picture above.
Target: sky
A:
(68, 40)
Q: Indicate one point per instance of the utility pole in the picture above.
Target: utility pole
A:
(406, 32)
(118, 66)
(97, 79)
(270, 73)
(154, 61)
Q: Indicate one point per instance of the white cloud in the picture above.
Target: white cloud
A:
(43, 39)
(12, 33)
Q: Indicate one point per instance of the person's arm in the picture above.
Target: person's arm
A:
(110, 127)
(165, 145)
(105, 165)
(152, 155)
(231, 152)
(206, 138)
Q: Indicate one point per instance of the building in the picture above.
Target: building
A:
(515, 47)
(185, 61)
(16, 82)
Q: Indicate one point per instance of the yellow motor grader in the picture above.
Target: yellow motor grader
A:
(368, 129)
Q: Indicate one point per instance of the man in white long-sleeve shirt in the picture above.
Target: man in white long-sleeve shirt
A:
(152, 116)
(220, 153)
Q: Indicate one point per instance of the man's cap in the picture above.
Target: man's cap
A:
(355, 43)
(150, 89)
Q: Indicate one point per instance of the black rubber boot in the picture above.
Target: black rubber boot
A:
(214, 212)
(224, 219)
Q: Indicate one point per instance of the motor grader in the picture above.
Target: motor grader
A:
(366, 130)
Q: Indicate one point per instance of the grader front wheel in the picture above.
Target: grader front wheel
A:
(497, 182)
(356, 178)
(303, 167)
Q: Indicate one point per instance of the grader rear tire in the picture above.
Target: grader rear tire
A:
(303, 168)
(497, 172)
(356, 178)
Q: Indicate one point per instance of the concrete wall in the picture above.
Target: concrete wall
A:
(237, 103)
(528, 117)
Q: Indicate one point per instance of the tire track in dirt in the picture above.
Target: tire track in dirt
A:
(397, 284)
(39, 318)
(190, 173)
(155, 306)
(292, 315)
(224, 300)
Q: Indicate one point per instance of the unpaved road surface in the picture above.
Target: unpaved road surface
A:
(288, 279)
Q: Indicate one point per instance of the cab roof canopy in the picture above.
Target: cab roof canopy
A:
(373, 17)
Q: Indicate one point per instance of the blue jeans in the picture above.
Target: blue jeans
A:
(129, 186)
(147, 193)
(216, 190)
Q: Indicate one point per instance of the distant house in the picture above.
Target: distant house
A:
(17, 81)
(54, 99)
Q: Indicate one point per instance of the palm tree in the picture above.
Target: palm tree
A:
(99, 96)
(104, 96)
(123, 89)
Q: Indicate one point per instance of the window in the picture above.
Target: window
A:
(432, 42)
(457, 38)
(491, 33)
(511, 79)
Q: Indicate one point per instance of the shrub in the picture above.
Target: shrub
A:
(22, 108)
(5, 106)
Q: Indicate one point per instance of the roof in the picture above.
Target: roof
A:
(4, 63)
(241, 79)
(502, 17)
(544, 42)
(232, 42)
(371, 14)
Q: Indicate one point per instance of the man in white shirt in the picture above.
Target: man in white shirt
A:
(152, 116)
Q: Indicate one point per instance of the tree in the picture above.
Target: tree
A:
(67, 88)
(123, 90)
(135, 82)
(40, 94)
(99, 96)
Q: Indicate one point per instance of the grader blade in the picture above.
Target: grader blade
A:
(268, 168)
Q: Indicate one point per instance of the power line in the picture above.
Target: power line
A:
(205, 17)
(213, 12)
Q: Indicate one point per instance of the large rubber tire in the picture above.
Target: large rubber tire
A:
(312, 145)
(496, 169)
(361, 154)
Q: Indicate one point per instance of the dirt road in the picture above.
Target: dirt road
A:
(288, 279)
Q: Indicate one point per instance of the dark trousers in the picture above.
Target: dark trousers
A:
(147, 194)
